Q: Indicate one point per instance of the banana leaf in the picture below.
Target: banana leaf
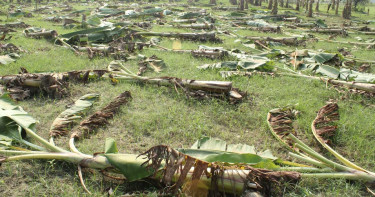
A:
(99, 35)
(342, 74)
(217, 150)
(61, 124)
(320, 23)
(351, 75)
(107, 12)
(6, 59)
(12, 119)
(258, 23)
(255, 64)
(328, 71)
(323, 57)
(20, 14)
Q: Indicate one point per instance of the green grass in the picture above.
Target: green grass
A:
(159, 115)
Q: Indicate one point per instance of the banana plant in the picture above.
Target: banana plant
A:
(210, 164)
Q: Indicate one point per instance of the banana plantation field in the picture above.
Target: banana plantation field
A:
(187, 98)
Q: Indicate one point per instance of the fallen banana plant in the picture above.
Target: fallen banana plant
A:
(342, 32)
(24, 86)
(289, 41)
(9, 48)
(210, 52)
(192, 88)
(39, 33)
(15, 25)
(366, 87)
(202, 37)
(210, 164)
(200, 26)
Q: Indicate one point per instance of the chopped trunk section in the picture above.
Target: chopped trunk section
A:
(25, 85)
(102, 116)
(210, 53)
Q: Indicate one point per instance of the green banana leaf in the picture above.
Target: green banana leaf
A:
(237, 14)
(20, 14)
(342, 74)
(320, 23)
(12, 121)
(328, 71)
(323, 57)
(110, 146)
(99, 35)
(93, 21)
(351, 75)
(217, 150)
(129, 165)
(255, 64)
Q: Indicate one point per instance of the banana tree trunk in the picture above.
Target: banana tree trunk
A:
(290, 41)
(46, 34)
(210, 36)
(198, 26)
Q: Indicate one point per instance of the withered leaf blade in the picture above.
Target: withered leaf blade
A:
(325, 122)
(101, 117)
(61, 124)
(280, 121)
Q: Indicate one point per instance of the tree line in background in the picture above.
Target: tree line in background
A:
(272, 5)
(300, 4)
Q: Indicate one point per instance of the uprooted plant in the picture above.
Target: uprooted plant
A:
(210, 165)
